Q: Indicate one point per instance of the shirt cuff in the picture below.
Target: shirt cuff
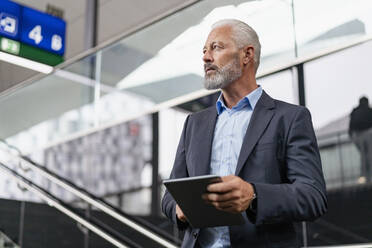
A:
(252, 209)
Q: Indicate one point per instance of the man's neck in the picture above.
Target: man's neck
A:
(233, 93)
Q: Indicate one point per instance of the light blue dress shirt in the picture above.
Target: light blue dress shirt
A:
(228, 138)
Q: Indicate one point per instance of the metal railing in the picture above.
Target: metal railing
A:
(6, 242)
(148, 231)
(57, 203)
(369, 245)
(341, 160)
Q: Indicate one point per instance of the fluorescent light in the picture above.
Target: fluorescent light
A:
(32, 65)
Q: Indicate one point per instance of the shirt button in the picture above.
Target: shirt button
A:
(195, 235)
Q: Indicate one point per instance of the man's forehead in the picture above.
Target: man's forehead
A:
(219, 34)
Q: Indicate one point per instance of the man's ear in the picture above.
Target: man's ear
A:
(248, 54)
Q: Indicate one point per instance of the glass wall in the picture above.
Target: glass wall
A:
(152, 66)
(322, 25)
(281, 85)
(334, 86)
(162, 62)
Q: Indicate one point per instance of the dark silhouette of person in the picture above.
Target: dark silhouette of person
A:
(360, 131)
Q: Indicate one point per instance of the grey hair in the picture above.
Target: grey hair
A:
(243, 35)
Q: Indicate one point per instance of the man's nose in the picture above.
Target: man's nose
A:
(207, 57)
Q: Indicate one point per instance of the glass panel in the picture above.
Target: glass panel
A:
(10, 223)
(170, 127)
(334, 86)
(163, 61)
(44, 226)
(174, 53)
(280, 86)
(107, 162)
(323, 24)
(157, 64)
(146, 73)
(45, 111)
(338, 80)
(171, 65)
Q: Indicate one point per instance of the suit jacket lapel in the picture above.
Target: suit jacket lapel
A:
(204, 146)
(262, 114)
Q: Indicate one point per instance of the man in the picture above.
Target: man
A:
(360, 131)
(265, 151)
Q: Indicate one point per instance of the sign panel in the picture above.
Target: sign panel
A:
(29, 52)
(9, 19)
(43, 31)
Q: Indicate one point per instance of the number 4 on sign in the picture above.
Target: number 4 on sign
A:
(35, 34)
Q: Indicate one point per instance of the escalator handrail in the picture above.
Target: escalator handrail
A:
(58, 204)
(364, 245)
(94, 201)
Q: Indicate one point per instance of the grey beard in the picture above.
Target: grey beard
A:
(224, 76)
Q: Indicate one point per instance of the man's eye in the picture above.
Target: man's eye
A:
(217, 47)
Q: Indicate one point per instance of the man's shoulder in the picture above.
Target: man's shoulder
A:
(288, 109)
(286, 106)
(279, 105)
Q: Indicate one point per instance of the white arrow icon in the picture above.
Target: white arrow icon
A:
(8, 24)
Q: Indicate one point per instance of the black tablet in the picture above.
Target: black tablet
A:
(187, 192)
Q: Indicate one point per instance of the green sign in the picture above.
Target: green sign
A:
(29, 52)
(39, 55)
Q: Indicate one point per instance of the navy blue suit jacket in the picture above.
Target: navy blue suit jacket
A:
(279, 155)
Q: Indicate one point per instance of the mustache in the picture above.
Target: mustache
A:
(208, 66)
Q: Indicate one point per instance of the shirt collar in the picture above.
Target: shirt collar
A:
(249, 101)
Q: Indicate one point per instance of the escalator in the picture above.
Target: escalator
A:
(6, 242)
(98, 225)
(348, 220)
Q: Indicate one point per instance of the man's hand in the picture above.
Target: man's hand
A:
(180, 214)
(232, 195)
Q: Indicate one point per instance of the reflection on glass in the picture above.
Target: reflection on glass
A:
(334, 85)
(157, 64)
(335, 23)
(177, 52)
(45, 111)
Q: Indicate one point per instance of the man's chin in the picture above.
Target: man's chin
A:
(211, 85)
